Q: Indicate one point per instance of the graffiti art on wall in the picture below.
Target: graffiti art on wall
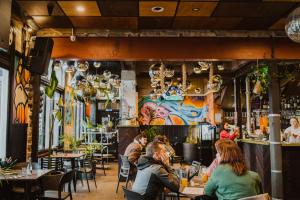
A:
(20, 95)
(190, 111)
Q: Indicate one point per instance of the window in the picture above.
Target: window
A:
(79, 117)
(3, 110)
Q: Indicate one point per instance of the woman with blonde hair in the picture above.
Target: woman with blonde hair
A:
(231, 179)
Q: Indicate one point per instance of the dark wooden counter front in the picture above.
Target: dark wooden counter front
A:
(257, 156)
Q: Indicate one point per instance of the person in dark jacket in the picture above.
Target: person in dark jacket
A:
(154, 172)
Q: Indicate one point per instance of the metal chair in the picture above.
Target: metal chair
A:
(125, 170)
(88, 167)
(130, 195)
(264, 196)
(52, 163)
(53, 185)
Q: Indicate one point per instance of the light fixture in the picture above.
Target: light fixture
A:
(157, 9)
(70, 67)
(195, 9)
(97, 64)
(80, 8)
(204, 65)
(169, 72)
(220, 67)
(57, 65)
(83, 66)
(72, 36)
(197, 70)
(292, 27)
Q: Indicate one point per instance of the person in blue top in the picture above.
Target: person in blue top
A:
(231, 180)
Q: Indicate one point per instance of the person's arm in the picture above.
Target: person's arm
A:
(134, 155)
(224, 135)
(211, 185)
(212, 167)
(169, 179)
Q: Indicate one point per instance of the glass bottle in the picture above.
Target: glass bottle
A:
(29, 167)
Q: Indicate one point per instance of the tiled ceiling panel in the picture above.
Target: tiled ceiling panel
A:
(203, 9)
(34, 8)
(252, 9)
(119, 8)
(168, 7)
(80, 8)
(52, 22)
(206, 22)
(155, 22)
(278, 25)
(105, 22)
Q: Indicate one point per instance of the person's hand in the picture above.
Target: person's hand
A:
(165, 159)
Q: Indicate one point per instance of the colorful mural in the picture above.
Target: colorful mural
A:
(190, 111)
(20, 95)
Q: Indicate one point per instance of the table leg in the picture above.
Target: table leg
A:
(27, 190)
(75, 174)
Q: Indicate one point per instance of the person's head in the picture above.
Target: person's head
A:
(142, 139)
(156, 150)
(228, 152)
(294, 122)
(161, 138)
(226, 126)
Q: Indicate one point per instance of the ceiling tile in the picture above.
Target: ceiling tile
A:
(155, 22)
(80, 8)
(279, 25)
(119, 8)
(255, 23)
(33, 8)
(252, 9)
(169, 8)
(105, 22)
(216, 23)
(203, 9)
(52, 21)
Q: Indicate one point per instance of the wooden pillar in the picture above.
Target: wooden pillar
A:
(210, 99)
(248, 104)
(275, 142)
(237, 103)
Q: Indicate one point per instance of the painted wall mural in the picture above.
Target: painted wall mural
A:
(20, 95)
(190, 111)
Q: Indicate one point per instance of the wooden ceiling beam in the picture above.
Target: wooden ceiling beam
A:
(175, 49)
(66, 32)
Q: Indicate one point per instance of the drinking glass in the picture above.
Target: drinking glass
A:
(183, 177)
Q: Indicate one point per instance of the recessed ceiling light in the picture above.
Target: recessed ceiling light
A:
(157, 9)
(80, 8)
(195, 9)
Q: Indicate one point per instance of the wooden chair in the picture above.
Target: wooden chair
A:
(88, 167)
(125, 170)
(53, 185)
(130, 195)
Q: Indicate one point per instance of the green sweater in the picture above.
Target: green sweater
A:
(226, 185)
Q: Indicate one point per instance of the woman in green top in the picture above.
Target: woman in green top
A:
(231, 180)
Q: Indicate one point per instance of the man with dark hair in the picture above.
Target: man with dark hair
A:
(134, 149)
(155, 173)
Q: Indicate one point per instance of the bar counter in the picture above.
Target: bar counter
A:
(257, 156)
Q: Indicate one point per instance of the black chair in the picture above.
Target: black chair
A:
(99, 158)
(130, 195)
(88, 167)
(53, 186)
(52, 163)
(125, 171)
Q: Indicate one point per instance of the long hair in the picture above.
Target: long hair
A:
(231, 154)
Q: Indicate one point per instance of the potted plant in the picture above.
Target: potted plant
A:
(151, 132)
(190, 146)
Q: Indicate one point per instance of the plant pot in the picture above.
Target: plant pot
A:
(189, 152)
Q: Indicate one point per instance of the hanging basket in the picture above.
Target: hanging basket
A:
(257, 88)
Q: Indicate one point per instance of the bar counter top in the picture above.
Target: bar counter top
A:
(261, 142)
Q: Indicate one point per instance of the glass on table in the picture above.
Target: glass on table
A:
(183, 177)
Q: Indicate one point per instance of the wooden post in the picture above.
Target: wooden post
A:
(237, 103)
(248, 106)
(274, 123)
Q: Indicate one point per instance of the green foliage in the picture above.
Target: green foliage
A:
(50, 90)
(71, 140)
(260, 73)
(91, 148)
(7, 164)
(151, 132)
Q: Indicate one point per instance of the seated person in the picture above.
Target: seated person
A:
(231, 179)
(292, 133)
(134, 149)
(154, 172)
(164, 140)
(225, 133)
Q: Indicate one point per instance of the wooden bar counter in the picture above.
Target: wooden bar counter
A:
(257, 156)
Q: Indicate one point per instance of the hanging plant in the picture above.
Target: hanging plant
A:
(260, 79)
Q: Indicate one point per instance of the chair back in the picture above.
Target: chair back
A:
(51, 181)
(52, 163)
(125, 166)
(258, 197)
(130, 195)
(66, 178)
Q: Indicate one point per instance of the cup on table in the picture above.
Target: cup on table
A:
(24, 171)
(183, 177)
(203, 172)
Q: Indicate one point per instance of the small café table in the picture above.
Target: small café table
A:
(17, 176)
(72, 157)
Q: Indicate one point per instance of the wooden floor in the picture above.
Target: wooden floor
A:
(106, 186)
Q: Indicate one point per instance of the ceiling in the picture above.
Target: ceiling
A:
(177, 14)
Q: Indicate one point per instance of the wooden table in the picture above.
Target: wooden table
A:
(17, 176)
(72, 157)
